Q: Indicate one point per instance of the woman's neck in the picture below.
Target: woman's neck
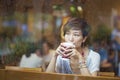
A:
(83, 51)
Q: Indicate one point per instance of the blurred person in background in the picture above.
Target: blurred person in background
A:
(105, 65)
(48, 51)
(32, 60)
(95, 46)
(115, 38)
(111, 58)
(78, 58)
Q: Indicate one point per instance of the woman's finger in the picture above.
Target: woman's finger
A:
(62, 48)
(62, 45)
(60, 51)
(69, 54)
(67, 51)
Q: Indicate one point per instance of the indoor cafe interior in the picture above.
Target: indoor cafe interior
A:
(34, 40)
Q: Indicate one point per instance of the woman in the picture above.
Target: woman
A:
(78, 59)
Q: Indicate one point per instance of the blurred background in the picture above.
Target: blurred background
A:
(26, 24)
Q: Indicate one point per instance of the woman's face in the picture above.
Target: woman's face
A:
(74, 36)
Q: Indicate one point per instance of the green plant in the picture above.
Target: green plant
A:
(18, 49)
(102, 32)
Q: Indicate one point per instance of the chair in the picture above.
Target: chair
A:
(110, 74)
(2, 74)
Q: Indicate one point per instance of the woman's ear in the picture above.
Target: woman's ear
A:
(84, 39)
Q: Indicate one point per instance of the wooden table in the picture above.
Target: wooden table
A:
(24, 75)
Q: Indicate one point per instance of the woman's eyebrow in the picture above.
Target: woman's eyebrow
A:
(77, 32)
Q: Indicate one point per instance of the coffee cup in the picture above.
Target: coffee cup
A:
(68, 45)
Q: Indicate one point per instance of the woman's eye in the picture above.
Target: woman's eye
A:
(76, 34)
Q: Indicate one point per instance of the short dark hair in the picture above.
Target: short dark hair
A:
(77, 24)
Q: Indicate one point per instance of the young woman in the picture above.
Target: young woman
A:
(78, 59)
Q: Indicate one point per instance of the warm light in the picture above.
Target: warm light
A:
(72, 9)
(79, 8)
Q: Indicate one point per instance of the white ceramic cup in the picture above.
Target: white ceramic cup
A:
(68, 44)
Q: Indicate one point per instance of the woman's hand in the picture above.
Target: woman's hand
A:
(74, 61)
(64, 51)
(60, 50)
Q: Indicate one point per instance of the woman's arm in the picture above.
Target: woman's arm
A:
(84, 71)
(51, 66)
(59, 51)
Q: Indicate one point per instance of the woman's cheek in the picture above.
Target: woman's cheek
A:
(78, 43)
(67, 38)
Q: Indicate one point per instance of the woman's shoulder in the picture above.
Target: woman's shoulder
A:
(94, 53)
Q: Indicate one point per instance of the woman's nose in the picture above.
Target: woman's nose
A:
(71, 38)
